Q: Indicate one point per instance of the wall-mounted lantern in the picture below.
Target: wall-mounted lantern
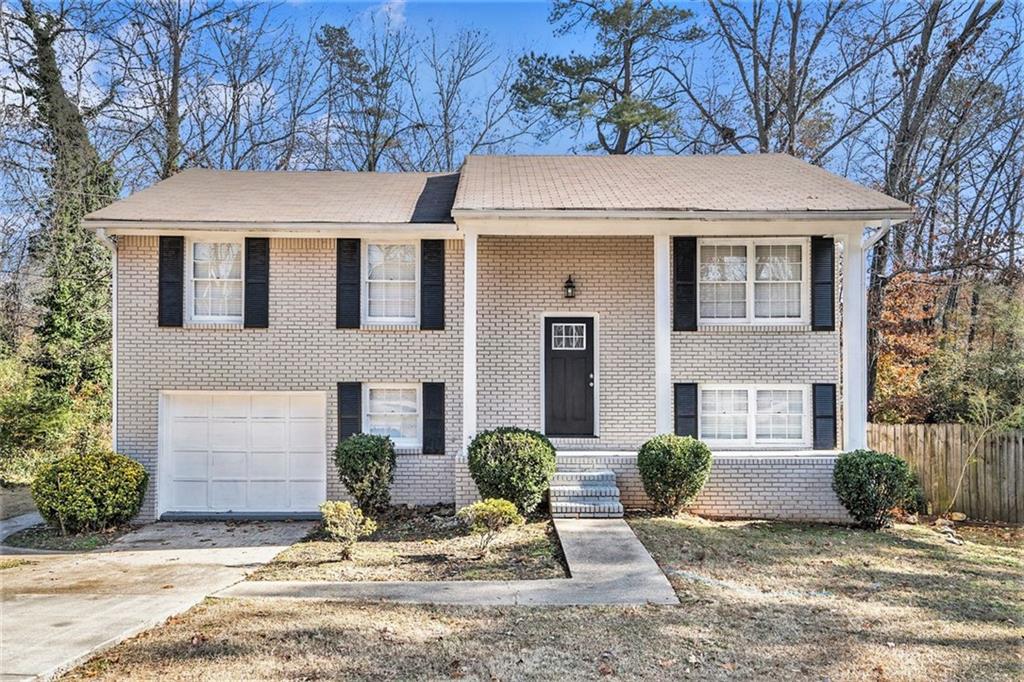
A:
(570, 288)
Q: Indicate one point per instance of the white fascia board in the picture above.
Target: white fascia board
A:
(310, 230)
(569, 214)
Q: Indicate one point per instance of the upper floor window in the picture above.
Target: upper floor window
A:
(215, 281)
(391, 283)
(761, 281)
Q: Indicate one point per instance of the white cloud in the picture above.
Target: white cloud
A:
(393, 11)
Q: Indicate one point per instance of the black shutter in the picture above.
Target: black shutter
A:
(684, 272)
(348, 276)
(432, 284)
(823, 284)
(350, 409)
(257, 282)
(171, 291)
(433, 419)
(824, 400)
(686, 409)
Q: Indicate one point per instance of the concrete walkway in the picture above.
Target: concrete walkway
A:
(57, 610)
(607, 562)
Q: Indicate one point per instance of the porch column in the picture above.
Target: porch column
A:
(855, 372)
(469, 341)
(662, 335)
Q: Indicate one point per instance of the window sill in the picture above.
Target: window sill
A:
(213, 325)
(742, 328)
(389, 326)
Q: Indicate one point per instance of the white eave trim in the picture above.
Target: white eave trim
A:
(273, 229)
(590, 214)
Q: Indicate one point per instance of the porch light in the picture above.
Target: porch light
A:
(570, 288)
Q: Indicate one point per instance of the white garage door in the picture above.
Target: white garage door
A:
(243, 452)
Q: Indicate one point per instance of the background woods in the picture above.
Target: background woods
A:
(922, 100)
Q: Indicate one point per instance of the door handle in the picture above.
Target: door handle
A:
(591, 375)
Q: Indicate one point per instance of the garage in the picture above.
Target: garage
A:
(242, 452)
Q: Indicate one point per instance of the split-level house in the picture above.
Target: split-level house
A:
(260, 317)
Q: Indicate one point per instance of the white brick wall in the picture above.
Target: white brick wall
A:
(301, 350)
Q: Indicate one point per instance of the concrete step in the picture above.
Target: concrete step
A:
(583, 477)
(586, 508)
(586, 490)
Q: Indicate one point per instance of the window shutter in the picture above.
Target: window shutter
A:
(432, 284)
(257, 282)
(433, 419)
(684, 271)
(348, 276)
(824, 400)
(823, 284)
(686, 409)
(171, 288)
(350, 409)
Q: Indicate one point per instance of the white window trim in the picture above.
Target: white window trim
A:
(190, 282)
(752, 440)
(364, 265)
(404, 445)
(751, 244)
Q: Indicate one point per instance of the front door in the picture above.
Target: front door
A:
(569, 376)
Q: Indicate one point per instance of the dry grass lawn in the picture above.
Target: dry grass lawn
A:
(423, 546)
(760, 600)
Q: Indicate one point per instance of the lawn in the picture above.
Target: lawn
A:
(419, 545)
(44, 537)
(760, 600)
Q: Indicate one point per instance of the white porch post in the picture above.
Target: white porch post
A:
(662, 335)
(855, 373)
(469, 341)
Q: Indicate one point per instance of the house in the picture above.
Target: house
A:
(261, 316)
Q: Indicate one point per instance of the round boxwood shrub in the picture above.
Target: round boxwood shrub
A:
(89, 492)
(512, 464)
(673, 470)
(871, 485)
(366, 467)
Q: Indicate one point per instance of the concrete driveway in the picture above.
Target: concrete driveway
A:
(59, 609)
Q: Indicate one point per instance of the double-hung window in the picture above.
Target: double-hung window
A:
(391, 283)
(396, 411)
(737, 416)
(216, 280)
(753, 281)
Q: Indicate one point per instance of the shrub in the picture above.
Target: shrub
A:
(366, 467)
(345, 524)
(89, 492)
(489, 518)
(871, 484)
(512, 464)
(673, 470)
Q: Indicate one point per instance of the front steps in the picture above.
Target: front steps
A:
(585, 495)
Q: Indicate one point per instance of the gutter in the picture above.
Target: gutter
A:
(898, 214)
(261, 227)
(111, 243)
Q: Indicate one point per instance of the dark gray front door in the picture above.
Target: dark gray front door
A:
(569, 376)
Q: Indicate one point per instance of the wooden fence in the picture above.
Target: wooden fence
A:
(993, 486)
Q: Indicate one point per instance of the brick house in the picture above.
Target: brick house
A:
(262, 316)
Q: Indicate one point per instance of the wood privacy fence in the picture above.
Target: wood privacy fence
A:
(993, 487)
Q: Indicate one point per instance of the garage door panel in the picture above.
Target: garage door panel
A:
(270, 436)
(244, 452)
(229, 465)
(272, 465)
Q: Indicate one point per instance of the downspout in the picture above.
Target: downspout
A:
(111, 243)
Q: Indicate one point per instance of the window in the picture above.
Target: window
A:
(753, 281)
(215, 290)
(572, 336)
(754, 415)
(392, 294)
(394, 410)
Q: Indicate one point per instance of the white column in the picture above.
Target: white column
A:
(855, 340)
(662, 335)
(469, 341)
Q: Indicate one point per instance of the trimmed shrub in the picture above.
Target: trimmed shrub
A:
(673, 470)
(345, 524)
(366, 467)
(871, 485)
(489, 518)
(512, 464)
(89, 492)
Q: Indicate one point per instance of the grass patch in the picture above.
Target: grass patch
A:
(423, 545)
(46, 538)
(13, 563)
(15, 500)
